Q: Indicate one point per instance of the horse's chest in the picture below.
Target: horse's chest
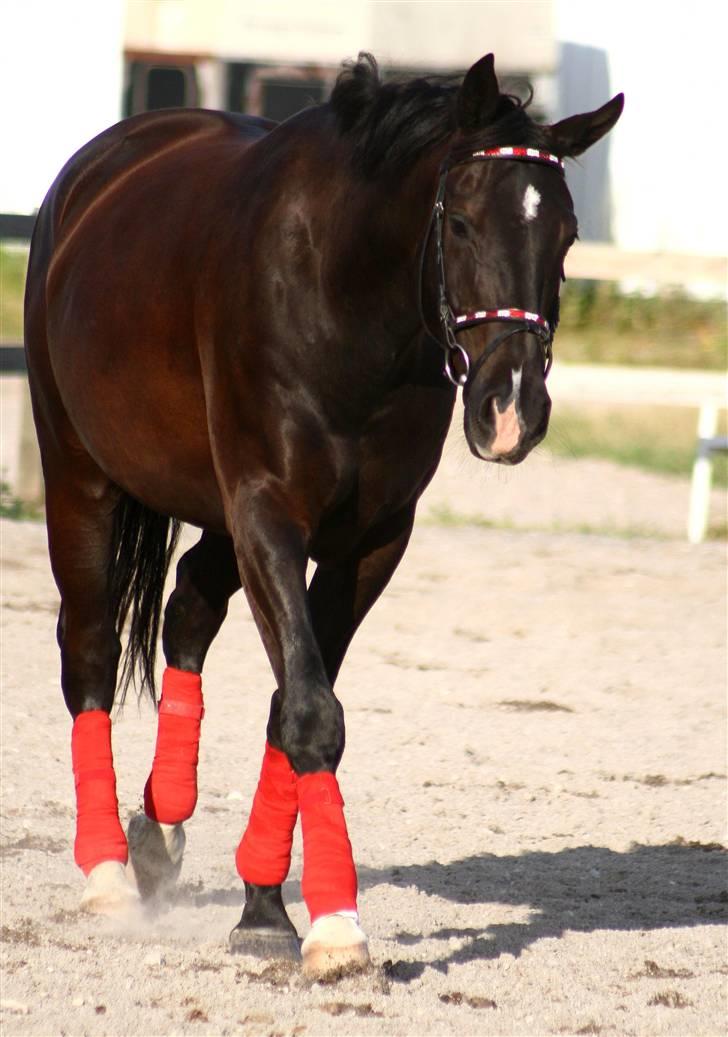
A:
(390, 466)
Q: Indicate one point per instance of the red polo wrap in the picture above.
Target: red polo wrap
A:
(329, 876)
(264, 854)
(99, 835)
(170, 794)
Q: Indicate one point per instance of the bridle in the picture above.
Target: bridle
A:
(523, 321)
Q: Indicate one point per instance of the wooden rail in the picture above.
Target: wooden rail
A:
(643, 386)
(16, 227)
(597, 262)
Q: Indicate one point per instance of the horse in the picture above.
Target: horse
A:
(260, 330)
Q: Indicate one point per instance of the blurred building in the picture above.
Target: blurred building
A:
(68, 70)
(275, 58)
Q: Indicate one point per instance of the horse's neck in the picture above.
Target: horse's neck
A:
(386, 232)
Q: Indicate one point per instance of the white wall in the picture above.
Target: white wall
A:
(668, 155)
(438, 34)
(60, 84)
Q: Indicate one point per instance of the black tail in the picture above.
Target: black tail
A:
(144, 543)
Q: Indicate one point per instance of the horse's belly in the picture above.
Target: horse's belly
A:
(145, 428)
(125, 362)
(162, 459)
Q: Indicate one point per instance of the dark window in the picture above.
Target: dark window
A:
(150, 86)
(237, 87)
(166, 88)
(282, 98)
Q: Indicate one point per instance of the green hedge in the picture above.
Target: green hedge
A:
(601, 325)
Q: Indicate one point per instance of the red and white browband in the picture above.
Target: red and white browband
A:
(527, 154)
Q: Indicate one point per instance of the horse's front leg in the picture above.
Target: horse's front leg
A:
(305, 745)
(340, 595)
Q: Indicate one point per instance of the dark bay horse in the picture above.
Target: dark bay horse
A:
(259, 330)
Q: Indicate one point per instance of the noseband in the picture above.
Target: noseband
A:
(523, 321)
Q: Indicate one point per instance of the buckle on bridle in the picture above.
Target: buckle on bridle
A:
(456, 379)
(452, 346)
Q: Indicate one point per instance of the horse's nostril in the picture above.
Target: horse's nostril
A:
(493, 403)
(486, 412)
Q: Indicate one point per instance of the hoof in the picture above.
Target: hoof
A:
(336, 946)
(155, 855)
(265, 942)
(109, 892)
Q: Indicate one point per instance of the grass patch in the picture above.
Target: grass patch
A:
(601, 325)
(443, 515)
(11, 507)
(13, 265)
(654, 439)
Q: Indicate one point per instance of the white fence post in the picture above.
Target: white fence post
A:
(702, 475)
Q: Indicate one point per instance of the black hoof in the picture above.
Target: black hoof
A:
(265, 942)
(265, 930)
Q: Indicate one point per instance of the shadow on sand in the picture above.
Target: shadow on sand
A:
(583, 889)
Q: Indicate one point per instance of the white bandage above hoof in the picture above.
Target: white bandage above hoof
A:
(155, 854)
(335, 945)
(108, 891)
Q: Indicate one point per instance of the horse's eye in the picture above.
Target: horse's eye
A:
(459, 225)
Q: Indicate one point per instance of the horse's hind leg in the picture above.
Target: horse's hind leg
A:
(207, 576)
(80, 506)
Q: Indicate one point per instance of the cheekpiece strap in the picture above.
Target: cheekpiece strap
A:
(452, 322)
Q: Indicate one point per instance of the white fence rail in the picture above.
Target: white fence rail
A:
(707, 391)
(593, 261)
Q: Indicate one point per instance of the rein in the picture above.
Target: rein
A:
(451, 323)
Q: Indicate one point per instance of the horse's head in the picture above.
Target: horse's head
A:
(502, 225)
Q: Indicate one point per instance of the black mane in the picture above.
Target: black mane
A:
(391, 124)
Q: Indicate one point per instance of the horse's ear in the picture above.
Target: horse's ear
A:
(478, 96)
(572, 136)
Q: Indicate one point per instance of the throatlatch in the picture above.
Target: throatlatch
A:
(99, 835)
(264, 854)
(170, 794)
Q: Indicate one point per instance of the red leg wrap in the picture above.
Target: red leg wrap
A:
(264, 853)
(99, 835)
(170, 794)
(329, 876)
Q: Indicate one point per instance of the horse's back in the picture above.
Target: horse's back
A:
(95, 179)
(110, 316)
(120, 150)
